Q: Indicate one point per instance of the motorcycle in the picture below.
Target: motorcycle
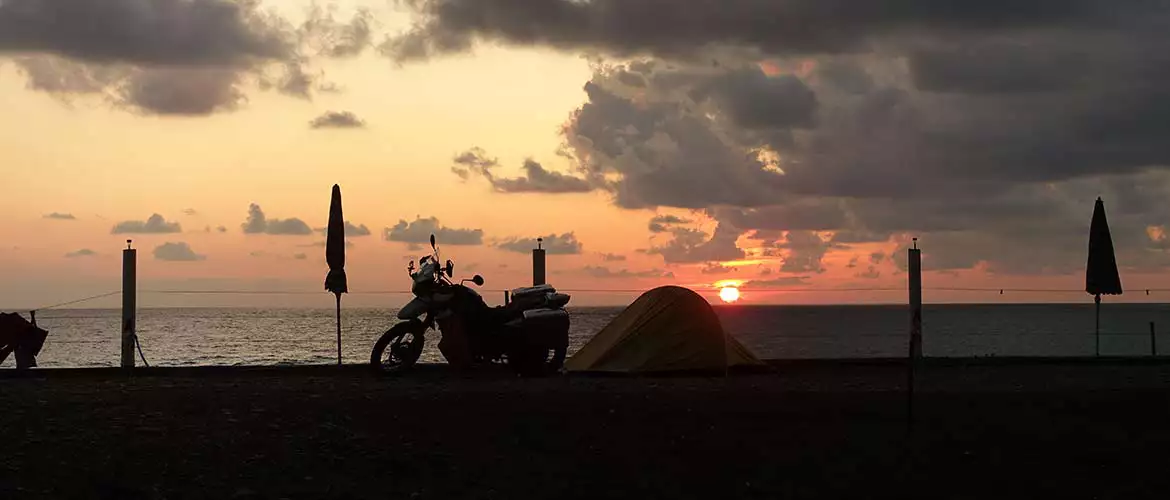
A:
(530, 334)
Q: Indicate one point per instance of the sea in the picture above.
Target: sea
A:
(245, 337)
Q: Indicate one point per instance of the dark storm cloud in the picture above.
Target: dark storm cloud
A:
(181, 91)
(757, 101)
(536, 178)
(259, 223)
(155, 224)
(158, 32)
(553, 244)
(171, 57)
(419, 232)
(675, 28)
(60, 216)
(177, 252)
(337, 119)
(985, 128)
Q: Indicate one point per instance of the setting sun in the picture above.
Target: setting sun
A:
(729, 294)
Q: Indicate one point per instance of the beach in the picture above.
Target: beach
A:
(1004, 429)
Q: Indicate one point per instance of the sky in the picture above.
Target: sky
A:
(792, 148)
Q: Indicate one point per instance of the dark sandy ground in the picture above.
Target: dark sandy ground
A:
(1027, 430)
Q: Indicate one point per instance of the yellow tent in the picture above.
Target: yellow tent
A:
(667, 329)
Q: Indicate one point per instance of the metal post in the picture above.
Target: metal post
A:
(538, 264)
(915, 347)
(1153, 341)
(129, 303)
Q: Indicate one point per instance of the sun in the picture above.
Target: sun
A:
(729, 294)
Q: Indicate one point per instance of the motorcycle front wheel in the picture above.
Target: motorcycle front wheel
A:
(399, 348)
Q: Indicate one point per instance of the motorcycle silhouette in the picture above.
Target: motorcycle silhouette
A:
(530, 334)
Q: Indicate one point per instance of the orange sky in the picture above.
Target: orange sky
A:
(105, 165)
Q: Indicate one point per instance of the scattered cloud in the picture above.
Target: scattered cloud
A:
(300, 256)
(419, 232)
(553, 244)
(612, 257)
(84, 252)
(662, 223)
(805, 251)
(221, 229)
(716, 268)
(321, 244)
(155, 224)
(607, 273)
(258, 223)
(337, 119)
(536, 178)
(177, 252)
(190, 212)
(693, 246)
(351, 230)
(60, 216)
(783, 282)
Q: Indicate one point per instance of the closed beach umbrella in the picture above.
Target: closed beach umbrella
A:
(335, 255)
(1101, 277)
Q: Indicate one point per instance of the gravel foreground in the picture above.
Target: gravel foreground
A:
(805, 431)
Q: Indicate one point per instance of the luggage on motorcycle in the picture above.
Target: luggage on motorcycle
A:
(555, 300)
(546, 328)
(527, 291)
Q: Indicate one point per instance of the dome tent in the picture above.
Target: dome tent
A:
(667, 329)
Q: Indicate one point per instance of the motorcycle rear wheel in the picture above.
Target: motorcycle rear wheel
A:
(399, 348)
(537, 361)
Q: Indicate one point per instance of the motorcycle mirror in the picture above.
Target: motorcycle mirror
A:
(477, 279)
(433, 241)
(450, 268)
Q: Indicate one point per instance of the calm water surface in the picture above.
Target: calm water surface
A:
(182, 337)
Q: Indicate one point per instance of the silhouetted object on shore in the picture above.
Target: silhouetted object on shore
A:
(668, 329)
(914, 265)
(530, 333)
(1101, 277)
(335, 255)
(129, 304)
(538, 276)
(19, 336)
